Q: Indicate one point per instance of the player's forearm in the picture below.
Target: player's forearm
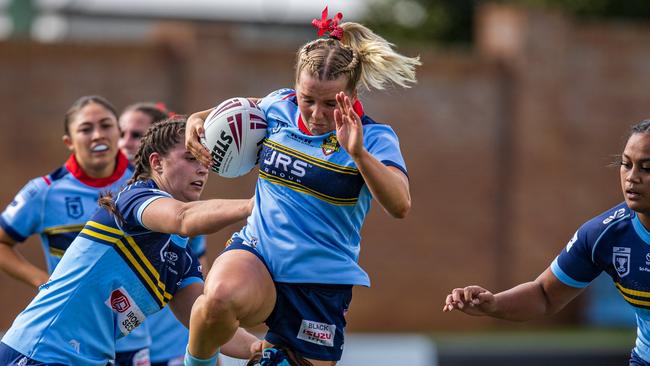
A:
(16, 266)
(388, 187)
(206, 217)
(523, 302)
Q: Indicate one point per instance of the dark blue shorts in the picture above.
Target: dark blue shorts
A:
(307, 317)
(11, 357)
(139, 357)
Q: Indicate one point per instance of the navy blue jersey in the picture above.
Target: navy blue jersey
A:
(168, 336)
(615, 242)
(111, 278)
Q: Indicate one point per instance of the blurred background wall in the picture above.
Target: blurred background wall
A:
(507, 140)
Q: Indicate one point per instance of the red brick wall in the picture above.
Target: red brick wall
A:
(506, 145)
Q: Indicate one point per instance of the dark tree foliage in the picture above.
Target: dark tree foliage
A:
(451, 21)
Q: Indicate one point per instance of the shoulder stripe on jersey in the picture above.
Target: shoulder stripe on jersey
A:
(626, 293)
(103, 227)
(47, 180)
(133, 255)
(301, 188)
(63, 229)
(157, 289)
(310, 159)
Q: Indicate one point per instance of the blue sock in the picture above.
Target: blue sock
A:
(193, 361)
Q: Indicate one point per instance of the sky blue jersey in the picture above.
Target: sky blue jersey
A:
(169, 337)
(310, 199)
(56, 207)
(615, 242)
(111, 278)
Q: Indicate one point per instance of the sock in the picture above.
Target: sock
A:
(193, 361)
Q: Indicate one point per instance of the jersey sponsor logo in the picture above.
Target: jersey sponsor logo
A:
(74, 207)
(119, 302)
(572, 241)
(171, 257)
(318, 333)
(300, 139)
(129, 315)
(330, 145)
(285, 166)
(616, 215)
(621, 260)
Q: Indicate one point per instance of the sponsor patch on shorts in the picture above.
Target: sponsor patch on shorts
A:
(318, 333)
(129, 315)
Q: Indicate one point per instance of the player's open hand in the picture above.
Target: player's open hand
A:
(349, 130)
(194, 135)
(472, 300)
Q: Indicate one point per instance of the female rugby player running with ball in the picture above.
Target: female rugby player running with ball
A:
(294, 263)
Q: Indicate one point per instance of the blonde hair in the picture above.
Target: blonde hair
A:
(365, 57)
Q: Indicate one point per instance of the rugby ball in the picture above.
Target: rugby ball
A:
(234, 132)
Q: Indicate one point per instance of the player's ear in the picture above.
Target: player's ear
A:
(67, 140)
(155, 163)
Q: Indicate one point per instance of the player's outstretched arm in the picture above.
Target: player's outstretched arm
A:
(167, 215)
(546, 295)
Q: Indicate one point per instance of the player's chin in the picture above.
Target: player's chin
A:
(193, 193)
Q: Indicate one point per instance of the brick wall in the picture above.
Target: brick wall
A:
(506, 144)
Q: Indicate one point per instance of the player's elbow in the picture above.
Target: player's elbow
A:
(401, 210)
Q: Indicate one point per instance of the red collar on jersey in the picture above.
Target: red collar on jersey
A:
(358, 108)
(75, 169)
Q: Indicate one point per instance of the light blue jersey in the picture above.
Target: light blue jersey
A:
(617, 243)
(311, 200)
(168, 336)
(112, 277)
(56, 207)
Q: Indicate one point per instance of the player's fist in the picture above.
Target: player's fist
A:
(472, 300)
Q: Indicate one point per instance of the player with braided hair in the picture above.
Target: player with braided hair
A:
(168, 336)
(294, 263)
(129, 261)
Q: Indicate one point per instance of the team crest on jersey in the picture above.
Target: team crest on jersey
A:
(621, 260)
(74, 207)
(330, 145)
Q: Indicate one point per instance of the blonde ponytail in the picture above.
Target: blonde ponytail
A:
(380, 64)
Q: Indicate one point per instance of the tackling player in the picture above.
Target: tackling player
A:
(130, 260)
(168, 336)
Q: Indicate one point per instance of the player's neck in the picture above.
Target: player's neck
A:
(644, 219)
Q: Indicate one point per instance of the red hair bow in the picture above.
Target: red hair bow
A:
(163, 108)
(329, 25)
